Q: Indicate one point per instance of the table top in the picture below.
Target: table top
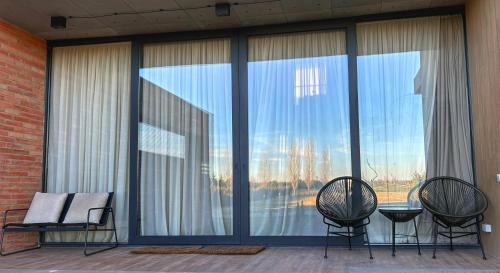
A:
(400, 213)
(400, 209)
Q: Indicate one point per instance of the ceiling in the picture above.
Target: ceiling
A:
(34, 15)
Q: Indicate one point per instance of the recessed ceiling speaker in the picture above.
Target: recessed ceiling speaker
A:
(222, 9)
(58, 22)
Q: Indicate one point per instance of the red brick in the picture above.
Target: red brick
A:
(22, 83)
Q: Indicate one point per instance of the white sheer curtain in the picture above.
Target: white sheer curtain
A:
(185, 139)
(298, 128)
(89, 126)
(414, 119)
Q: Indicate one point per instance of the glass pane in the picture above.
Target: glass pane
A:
(391, 125)
(185, 139)
(396, 86)
(298, 128)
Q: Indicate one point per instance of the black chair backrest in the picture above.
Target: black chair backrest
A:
(452, 198)
(105, 213)
(346, 200)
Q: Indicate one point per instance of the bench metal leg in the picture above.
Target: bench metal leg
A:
(114, 245)
(2, 250)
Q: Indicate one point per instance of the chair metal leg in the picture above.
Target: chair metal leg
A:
(435, 240)
(480, 241)
(451, 240)
(326, 243)
(393, 239)
(349, 237)
(368, 242)
(416, 235)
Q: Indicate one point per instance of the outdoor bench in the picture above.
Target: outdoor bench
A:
(50, 212)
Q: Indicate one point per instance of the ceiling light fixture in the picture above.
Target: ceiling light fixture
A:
(58, 22)
(222, 9)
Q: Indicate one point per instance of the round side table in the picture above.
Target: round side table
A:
(401, 214)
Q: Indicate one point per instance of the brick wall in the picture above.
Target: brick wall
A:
(22, 85)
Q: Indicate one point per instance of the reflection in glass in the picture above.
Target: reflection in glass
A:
(185, 139)
(298, 128)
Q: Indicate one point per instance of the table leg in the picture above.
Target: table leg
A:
(416, 235)
(393, 238)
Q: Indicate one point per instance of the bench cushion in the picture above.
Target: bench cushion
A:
(82, 202)
(45, 208)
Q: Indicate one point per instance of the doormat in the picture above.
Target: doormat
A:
(418, 270)
(208, 250)
(231, 250)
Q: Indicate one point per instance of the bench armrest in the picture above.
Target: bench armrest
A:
(104, 209)
(6, 214)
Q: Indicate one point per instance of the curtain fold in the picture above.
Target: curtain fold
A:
(296, 45)
(185, 139)
(414, 119)
(299, 136)
(89, 124)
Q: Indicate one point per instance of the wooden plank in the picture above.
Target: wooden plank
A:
(284, 259)
(483, 41)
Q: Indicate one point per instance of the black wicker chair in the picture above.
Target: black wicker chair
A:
(346, 202)
(453, 203)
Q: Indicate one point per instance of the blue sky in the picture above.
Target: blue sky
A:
(300, 100)
(391, 119)
(280, 115)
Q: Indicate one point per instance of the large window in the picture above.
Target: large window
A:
(294, 107)
(185, 139)
(298, 121)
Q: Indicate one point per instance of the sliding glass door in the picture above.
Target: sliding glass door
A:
(298, 128)
(413, 112)
(237, 135)
(185, 139)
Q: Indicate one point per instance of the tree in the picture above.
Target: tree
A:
(293, 166)
(417, 177)
(265, 170)
(309, 164)
(326, 166)
(226, 175)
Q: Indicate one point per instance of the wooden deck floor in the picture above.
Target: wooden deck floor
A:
(284, 259)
